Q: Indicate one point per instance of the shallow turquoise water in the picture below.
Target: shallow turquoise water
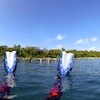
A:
(34, 80)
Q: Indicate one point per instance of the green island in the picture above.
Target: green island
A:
(30, 52)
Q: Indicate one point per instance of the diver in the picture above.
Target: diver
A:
(56, 91)
(10, 64)
(4, 91)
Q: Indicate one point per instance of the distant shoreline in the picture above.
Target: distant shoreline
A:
(55, 58)
(51, 59)
(88, 58)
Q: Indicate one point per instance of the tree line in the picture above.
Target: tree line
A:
(36, 52)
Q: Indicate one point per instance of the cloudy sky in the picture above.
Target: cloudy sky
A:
(51, 24)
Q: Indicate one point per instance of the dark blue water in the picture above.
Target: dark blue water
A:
(34, 80)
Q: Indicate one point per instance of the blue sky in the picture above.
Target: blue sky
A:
(51, 24)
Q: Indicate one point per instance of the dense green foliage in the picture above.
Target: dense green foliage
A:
(35, 52)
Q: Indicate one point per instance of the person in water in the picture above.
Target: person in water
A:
(4, 91)
(55, 92)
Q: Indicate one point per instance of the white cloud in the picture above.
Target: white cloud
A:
(93, 48)
(60, 37)
(94, 39)
(81, 41)
(86, 40)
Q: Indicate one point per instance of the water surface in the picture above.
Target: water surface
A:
(34, 80)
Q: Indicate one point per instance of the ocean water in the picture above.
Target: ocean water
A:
(34, 80)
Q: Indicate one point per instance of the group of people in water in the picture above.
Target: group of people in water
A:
(55, 93)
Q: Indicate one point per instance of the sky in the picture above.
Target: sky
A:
(50, 24)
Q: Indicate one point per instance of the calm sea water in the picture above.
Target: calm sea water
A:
(34, 80)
